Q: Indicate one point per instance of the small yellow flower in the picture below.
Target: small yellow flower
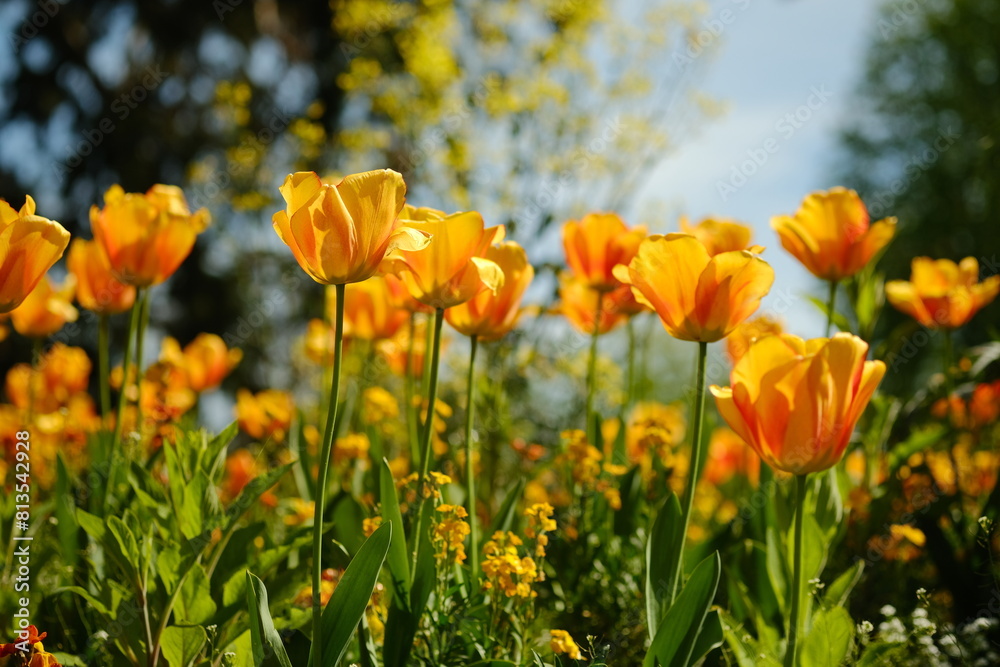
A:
(370, 525)
(562, 644)
(440, 479)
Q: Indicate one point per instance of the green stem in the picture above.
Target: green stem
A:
(425, 446)
(412, 426)
(592, 367)
(795, 614)
(139, 344)
(470, 471)
(133, 322)
(695, 465)
(831, 301)
(103, 350)
(321, 481)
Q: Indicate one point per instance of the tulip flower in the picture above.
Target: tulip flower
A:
(596, 244)
(578, 302)
(46, 310)
(145, 237)
(721, 235)
(267, 414)
(830, 234)
(29, 246)
(205, 361)
(796, 403)
(699, 297)
(371, 309)
(738, 342)
(340, 233)
(453, 267)
(490, 316)
(97, 289)
(942, 294)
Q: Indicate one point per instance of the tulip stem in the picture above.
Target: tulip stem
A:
(831, 301)
(126, 371)
(425, 446)
(139, 345)
(321, 481)
(103, 350)
(592, 367)
(694, 467)
(413, 427)
(470, 472)
(796, 592)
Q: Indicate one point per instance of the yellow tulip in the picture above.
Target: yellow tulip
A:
(491, 316)
(738, 342)
(146, 237)
(941, 293)
(340, 233)
(453, 267)
(578, 302)
(29, 246)
(97, 289)
(796, 402)
(699, 297)
(372, 308)
(46, 310)
(830, 234)
(596, 244)
(721, 235)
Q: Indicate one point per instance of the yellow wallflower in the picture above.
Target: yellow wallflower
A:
(449, 533)
(562, 644)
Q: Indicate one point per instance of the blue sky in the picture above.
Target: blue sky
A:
(776, 57)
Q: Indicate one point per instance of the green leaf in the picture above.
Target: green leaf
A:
(181, 644)
(663, 550)
(191, 516)
(709, 639)
(492, 663)
(674, 642)
(251, 492)
(214, 457)
(398, 560)
(829, 504)
(126, 541)
(348, 517)
(92, 524)
(351, 597)
(830, 639)
(195, 604)
(95, 604)
(265, 642)
(168, 566)
(65, 517)
(837, 593)
(879, 655)
(776, 571)
(504, 519)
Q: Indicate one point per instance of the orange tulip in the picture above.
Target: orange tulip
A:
(491, 316)
(371, 308)
(453, 267)
(941, 293)
(205, 361)
(697, 296)
(729, 456)
(340, 233)
(145, 237)
(796, 402)
(46, 310)
(578, 302)
(29, 246)
(397, 350)
(739, 341)
(830, 234)
(721, 235)
(596, 244)
(265, 415)
(97, 289)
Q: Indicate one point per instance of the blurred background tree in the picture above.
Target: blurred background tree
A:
(527, 110)
(923, 146)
